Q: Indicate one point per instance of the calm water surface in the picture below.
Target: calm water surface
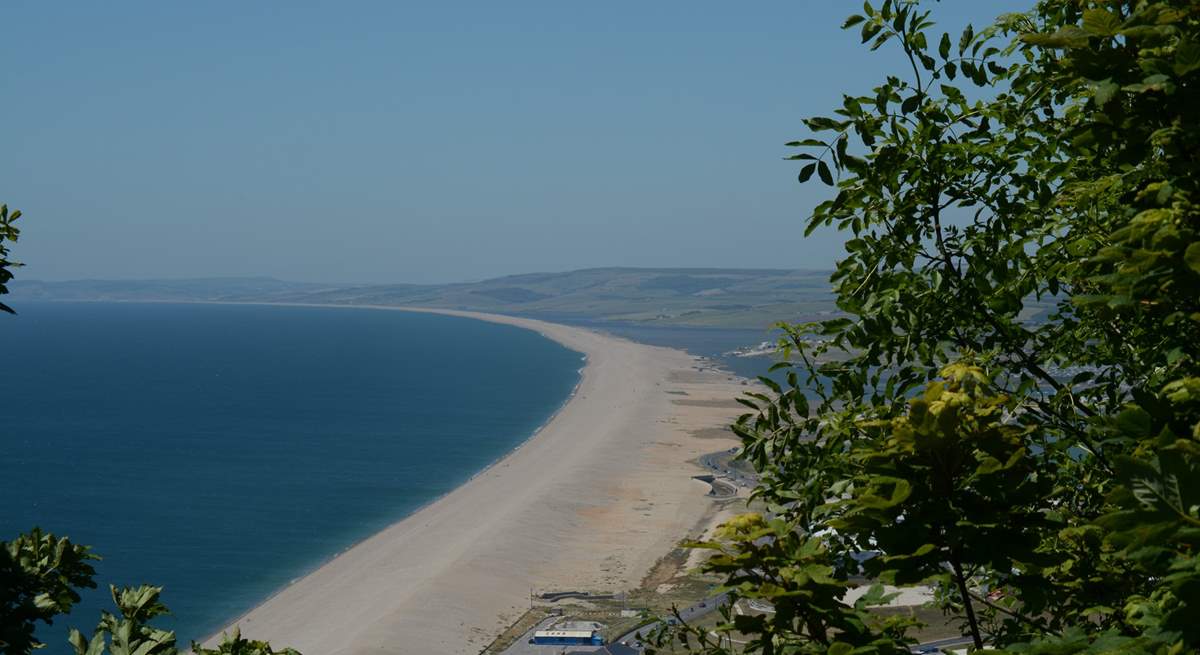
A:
(221, 451)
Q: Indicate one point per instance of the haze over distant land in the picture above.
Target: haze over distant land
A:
(425, 142)
(742, 298)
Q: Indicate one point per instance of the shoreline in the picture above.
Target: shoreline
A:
(228, 624)
(438, 580)
(211, 639)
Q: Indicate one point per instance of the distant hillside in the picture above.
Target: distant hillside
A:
(729, 298)
(214, 289)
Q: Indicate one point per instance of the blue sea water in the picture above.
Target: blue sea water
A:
(223, 450)
(714, 344)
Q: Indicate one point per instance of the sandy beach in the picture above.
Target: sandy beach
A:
(590, 502)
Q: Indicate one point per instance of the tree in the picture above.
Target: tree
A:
(1008, 406)
(947, 490)
(39, 578)
(234, 644)
(8, 233)
(130, 632)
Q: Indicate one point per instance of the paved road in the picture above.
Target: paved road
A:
(522, 646)
(712, 604)
(941, 644)
(715, 462)
(688, 614)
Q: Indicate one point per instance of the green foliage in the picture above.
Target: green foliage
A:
(1040, 471)
(8, 234)
(130, 632)
(39, 576)
(234, 644)
(802, 587)
(948, 492)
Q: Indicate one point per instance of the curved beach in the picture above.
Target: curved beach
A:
(591, 501)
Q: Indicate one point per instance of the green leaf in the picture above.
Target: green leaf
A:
(823, 172)
(1101, 22)
(869, 30)
(805, 143)
(1065, 37)
(1134, 421)
(840, 648)
(807, 172)
(944, 46)
(1191, 257)
(1104, 91)
(964, 41)
(1187, 57)
(1157, 82)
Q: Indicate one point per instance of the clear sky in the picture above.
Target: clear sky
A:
(419, 141)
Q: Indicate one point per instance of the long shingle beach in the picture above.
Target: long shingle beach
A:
(590, 502)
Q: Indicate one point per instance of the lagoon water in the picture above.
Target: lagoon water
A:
(223, 450)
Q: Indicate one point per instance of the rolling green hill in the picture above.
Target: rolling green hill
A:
(727, 298)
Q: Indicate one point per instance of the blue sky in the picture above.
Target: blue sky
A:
(419, 142)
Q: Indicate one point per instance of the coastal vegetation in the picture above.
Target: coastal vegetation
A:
(9, 232)
(929, 435)
(40, 578)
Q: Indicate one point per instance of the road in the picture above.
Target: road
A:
(715, 463)
(941, 644)
(712, 604)
(688, 615)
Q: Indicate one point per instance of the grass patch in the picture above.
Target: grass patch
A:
(936, 624)
(530, 618)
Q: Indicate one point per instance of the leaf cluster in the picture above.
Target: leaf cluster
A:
(40, 575)
(1007, 407)
(8, 234)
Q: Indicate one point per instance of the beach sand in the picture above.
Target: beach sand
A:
(590, 502)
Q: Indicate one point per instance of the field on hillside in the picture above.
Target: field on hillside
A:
(726, 298)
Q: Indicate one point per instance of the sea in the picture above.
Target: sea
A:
(716, 345)
(222, 451)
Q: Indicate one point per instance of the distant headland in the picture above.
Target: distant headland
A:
(665, 297)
